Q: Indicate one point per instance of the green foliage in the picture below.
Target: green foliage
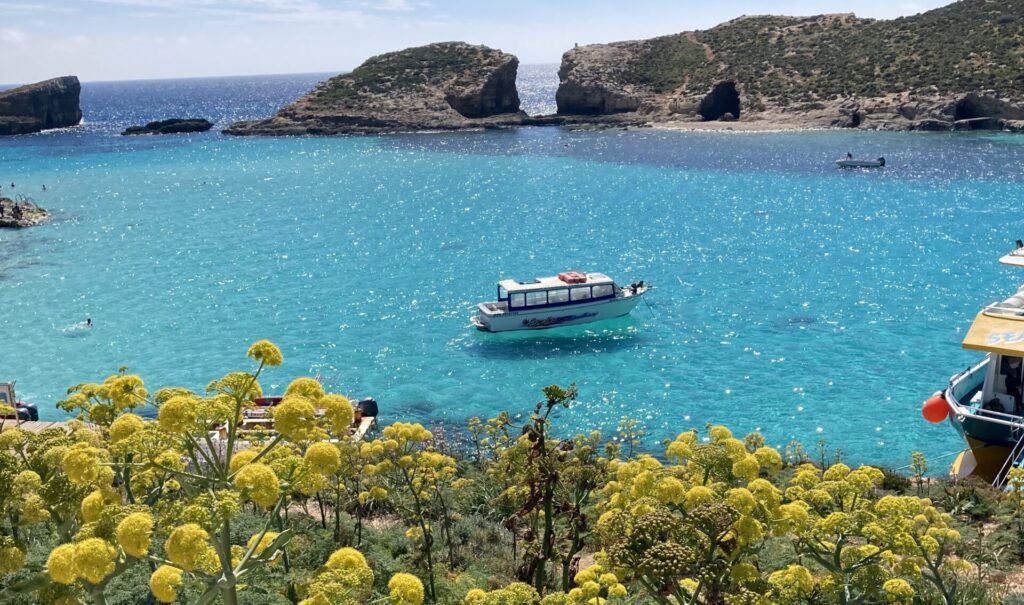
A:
(964, 47)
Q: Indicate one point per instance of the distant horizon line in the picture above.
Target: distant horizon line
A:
(9, 85)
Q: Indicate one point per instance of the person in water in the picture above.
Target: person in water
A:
(88, 322)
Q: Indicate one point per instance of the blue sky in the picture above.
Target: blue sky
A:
(134, 39)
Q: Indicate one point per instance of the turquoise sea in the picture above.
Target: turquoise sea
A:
(789, 297)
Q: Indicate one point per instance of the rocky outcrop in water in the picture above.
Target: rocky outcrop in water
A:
(40, 106)
(952, 68)
(17, 215)
(443, 86)
(171, 126)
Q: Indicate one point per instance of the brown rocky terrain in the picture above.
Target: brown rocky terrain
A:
(443, 86)
(953, 68)
(27, 215)
(40, 106)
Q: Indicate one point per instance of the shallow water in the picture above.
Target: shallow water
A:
(789, 296)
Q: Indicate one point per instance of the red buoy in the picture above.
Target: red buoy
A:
(935, 409)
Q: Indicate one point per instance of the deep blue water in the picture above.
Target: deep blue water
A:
(790, 297)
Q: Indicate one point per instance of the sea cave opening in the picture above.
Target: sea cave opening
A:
(723, 101)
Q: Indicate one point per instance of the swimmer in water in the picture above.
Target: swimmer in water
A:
(88, 322)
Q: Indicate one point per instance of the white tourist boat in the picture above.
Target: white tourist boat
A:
(852, 163)
(567, 299)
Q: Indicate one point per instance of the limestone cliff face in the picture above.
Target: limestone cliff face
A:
(950, 68)
(443, 86)
(40, 106)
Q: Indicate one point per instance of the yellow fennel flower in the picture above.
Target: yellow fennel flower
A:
(125, 426)
(134, 532)
(61, 564)
(345, 558)
(405, 589)
(310, 388)
(258, 482)
(33, 509)
(94, 559)
(178, 414)
(698, 495)
(186, 545)
(242, 458)
(81, 463)
(338, 413)
(323, 458)
(92, 506)
(11, 559)
(295, 418)
(265, 352)
(164, 583)
(27, 482)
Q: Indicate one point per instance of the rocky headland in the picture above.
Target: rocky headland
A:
(40, 106)
(16, 215)
(953, 68)
(170, 126)
(443, 86)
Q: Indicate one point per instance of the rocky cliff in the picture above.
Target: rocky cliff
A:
(40, 106)
(955, 67)
(443, 86)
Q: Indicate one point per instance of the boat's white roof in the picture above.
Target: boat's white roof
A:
(547, 283)
(1015, 258)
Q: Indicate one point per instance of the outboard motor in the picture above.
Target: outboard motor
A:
(881, 161)
(27, 411)
(367, 406)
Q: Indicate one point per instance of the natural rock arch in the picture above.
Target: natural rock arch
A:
(722, 99)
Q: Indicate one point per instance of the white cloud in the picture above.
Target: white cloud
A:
(12, 36)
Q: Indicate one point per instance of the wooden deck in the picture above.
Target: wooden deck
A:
(38, 426)
(35, 426)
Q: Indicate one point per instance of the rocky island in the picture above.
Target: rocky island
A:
(171, 126)
(16, 215)
(955, 67)
(443, 86)
(40, 106)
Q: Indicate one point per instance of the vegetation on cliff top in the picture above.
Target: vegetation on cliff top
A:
(967, 46)
(412, 69)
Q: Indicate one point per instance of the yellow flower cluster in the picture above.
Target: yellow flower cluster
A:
(405, 589)
(11, 557)
(83, 464)
(295, 418)
(323, 458)
(187, 545)
(346, 580)
(258, 482)
(92, 559)
(265, 353)
(164, 583)
(134, 533)
(516, 593)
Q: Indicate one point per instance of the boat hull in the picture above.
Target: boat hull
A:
(570, 315)
(859, 164)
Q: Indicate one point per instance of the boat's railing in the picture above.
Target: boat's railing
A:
(1011, 461)
(1000, 310)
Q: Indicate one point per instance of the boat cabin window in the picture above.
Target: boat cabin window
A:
(534, 299)
(517, 300)
(1007, 387)
(558, 296)
(580, 293)
(502, 293)
(602, 291)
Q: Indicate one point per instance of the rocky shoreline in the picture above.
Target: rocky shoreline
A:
(170, 126)
(18, 215)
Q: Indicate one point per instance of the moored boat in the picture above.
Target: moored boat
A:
(570, 298)
(984, 402)
(852, 163)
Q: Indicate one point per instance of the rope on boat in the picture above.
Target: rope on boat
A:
(956, 453)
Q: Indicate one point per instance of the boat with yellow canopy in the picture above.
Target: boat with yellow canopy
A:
(984, 402)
